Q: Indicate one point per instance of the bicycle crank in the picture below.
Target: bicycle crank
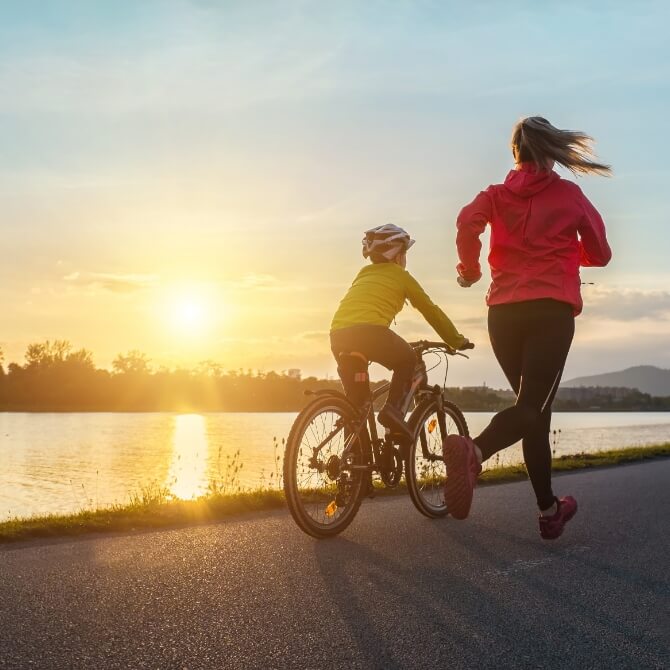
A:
(391, 466)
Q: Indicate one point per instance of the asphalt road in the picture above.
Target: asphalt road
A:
(394, 591)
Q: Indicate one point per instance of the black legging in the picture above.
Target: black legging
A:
(531, 341)
(380, 345)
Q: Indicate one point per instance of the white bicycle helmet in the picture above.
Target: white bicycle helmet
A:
(388, 241)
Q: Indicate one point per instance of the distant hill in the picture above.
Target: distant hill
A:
(646, 378)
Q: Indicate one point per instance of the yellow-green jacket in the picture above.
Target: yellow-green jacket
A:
(379, 292)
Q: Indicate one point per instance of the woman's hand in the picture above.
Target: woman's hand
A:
(464, 283)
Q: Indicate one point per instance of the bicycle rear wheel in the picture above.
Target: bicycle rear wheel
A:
(425, 470)
(322, 484)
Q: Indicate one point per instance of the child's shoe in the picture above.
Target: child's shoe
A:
(392, 418)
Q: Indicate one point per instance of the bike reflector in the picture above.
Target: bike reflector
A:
(432, 424)
(331, 509)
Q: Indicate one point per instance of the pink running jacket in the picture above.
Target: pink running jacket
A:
(543, 229)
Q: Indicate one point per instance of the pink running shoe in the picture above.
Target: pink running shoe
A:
(552, 526)
(462, 470)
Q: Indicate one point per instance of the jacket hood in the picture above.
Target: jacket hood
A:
(528, 181)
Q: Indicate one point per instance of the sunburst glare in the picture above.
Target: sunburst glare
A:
(187, 478)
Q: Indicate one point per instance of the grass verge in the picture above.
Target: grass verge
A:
(579, 462)
(153, 509)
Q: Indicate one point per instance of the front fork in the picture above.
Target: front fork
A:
(436, 392)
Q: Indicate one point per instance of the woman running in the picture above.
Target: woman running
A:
(542, 230)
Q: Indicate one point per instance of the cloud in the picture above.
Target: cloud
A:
(262, 282)
(629, 305)
(256, 281)
(116, 283)
(416, 327)
(472, 321)
(314, 335)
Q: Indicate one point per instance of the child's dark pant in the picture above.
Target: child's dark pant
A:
(379, 345)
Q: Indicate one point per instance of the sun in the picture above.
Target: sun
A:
(190, 315)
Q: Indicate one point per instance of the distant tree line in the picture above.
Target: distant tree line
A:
(603, 400)
(482, 399)
(56, 377)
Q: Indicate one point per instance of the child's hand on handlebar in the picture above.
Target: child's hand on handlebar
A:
(466, 344)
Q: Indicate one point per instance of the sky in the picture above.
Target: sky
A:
(192, 179)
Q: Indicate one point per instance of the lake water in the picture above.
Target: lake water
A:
(67, 462)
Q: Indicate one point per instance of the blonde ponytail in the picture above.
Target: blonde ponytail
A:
(535, 140)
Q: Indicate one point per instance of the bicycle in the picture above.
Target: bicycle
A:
(334, 448)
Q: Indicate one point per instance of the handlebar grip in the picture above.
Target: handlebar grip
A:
(426, 344)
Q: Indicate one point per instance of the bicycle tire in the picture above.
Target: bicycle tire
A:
(425, 478)
(309, 505)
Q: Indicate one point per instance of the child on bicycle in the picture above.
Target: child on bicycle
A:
(361, 323)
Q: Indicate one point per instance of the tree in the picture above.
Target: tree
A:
(57, 355)
(82, 359)
(41, 355)
(134, 363)
(209, 368)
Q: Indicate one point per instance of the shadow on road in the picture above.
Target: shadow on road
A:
(397, 609)
(484, 600)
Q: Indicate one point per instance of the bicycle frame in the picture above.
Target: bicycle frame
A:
(368, 436)
(325, 483)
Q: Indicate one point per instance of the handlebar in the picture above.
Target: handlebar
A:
(424, 345)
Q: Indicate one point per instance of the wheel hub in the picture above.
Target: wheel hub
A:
(333, 467)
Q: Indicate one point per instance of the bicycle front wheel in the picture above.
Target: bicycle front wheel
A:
(323, 467)
(425, 470)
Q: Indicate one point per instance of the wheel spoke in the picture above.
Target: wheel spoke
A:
(426, 472)
(431, 473)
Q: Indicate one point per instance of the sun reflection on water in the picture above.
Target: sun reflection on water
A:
(187, 478)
